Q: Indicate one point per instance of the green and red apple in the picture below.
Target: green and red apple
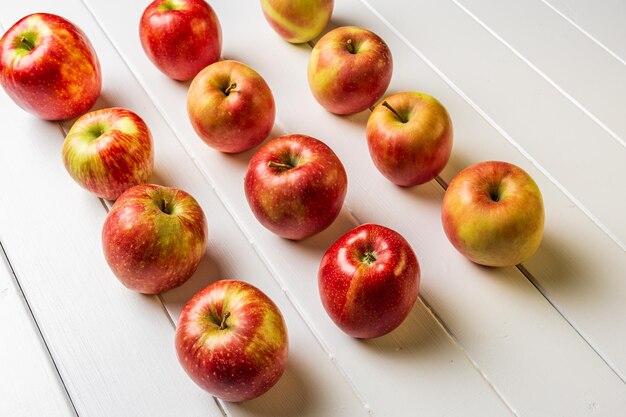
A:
(297, 21)
(232, 341)
(493, 214)
(108, 151)
(154, 238)
(49, 68)
(409, 136)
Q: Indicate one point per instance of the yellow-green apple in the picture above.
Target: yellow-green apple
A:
(232, 341)
(368, 281)
(297, 21)
(409, 136)
(49, 68)
(154, 238)
(180, 37)
(349, 70)
(493, 214)
(230, 106)
(108, 151)
(295, 186)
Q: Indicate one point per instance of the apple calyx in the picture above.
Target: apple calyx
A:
(369, 257)
(402, 119)
(351, 47)
(26, 44)
(230, 88)
(223, 325)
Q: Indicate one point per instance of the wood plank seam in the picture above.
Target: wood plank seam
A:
(497, 127)
(3, 253)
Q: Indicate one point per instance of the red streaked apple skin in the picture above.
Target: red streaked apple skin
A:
(108, 151)
(231, 121)
(369, 298)
(154, 238)
(180, 37)
(305, 196)
(493, 214)
(415, 148)
(297, 21)
(349, 70)
(246, 357)
(59, 78)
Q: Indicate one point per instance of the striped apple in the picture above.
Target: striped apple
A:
(297, 21)
(154, 238)
(108, 151)
(232, 341)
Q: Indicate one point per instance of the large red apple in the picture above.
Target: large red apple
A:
(230, 106)
(369, 280)
(295, 186)
(154, 238)
(180, 37)
(232, 341)
(297, 21)
(349, 70)
(493, 214)
(409, 136)
(108, 151)
(49, 68)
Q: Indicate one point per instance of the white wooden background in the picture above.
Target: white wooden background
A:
(540, 83)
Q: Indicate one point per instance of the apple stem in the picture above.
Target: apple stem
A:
(223, 324)
(369, 257)
(230, 88)
(279, 165)
(402, 119)
(350, 46)
(29, 45)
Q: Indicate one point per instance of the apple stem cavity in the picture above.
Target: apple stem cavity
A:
(351, 48)
(494, 195)
(402, 119)
(369, 257)
(223, 324)
(279, 165)
(230, 88)
(28, 45)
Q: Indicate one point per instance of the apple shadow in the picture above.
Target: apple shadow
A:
(243, 158)
(292, 395)
(334, 23)
(430, 192)
(320, 242)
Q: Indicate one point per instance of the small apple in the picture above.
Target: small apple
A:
(295, 186)
(108, 151)
(180, 37)
(232, 341)
(492, 213)
(154, 238)
(297, 21)
(49, 68)
(230, 106)
(368, 281)
(409, 136)
(349, 70)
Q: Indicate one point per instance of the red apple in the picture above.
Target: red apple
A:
(230, 106)
(108, 151)
(180, 37)
(369, 280)
(232, 340)
(409, 136)
(297, 21)
(295, 186)
(49, 68)
(349, 70)
(493, 214)
(154, 238)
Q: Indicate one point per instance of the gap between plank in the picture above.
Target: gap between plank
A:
(5, 255)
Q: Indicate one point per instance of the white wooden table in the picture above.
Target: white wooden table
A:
(540, 83)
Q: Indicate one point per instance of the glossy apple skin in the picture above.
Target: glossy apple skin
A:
(297, 21)
(108, 151)
(241, 359)
(231, 121)
(414, 146)
(493, 214)
(154, 238)
(59, 78)
(180, 37)
(301, 197)
(349, 70)
(369, 280)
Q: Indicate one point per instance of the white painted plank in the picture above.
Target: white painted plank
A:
(602, 21)
(505, 327)
(418, 356)
(29, 383)
(544, 124)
